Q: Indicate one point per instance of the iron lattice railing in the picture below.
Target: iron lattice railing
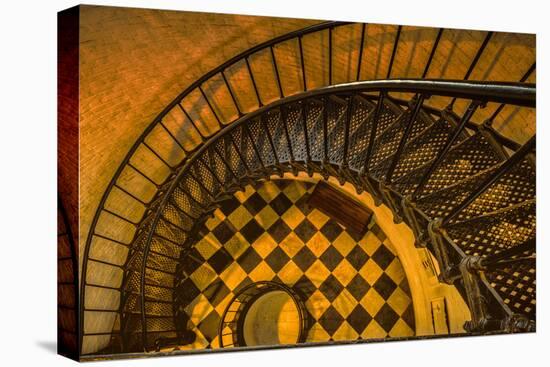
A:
(408, 155)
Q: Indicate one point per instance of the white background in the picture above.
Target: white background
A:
(28, 182)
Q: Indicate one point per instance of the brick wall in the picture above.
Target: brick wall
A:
(133, 63)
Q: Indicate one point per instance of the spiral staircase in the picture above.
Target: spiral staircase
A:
(416, 145)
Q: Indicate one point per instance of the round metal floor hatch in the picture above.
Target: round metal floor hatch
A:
(263, 314)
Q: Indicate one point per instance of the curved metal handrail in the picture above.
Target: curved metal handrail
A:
(520, 94)
(509, 93)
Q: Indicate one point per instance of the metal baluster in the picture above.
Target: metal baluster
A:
(260, 103)
(173, 202)
(106, 263)
(184, 189)
(340, 119)
(210, 107)
(279, 85)
(102, 286)
(246, 167)
(283, 120)
(517, 157)
(522, 80)
(210, 159)
(215, 151)
(347, 124)
(330, 56)
(202, 136)
(325, 129)
(130, 194)
(392, 59)
(101, 310)
(372, 136)
(199, 182)
(445, 149)
(306, 136)
(98, 235)
(255, 148)
(170, 167)
(432, 53)
(175, 259)
(231, 93)
(360, 56)
(478, 55)
(222, 158)
(405, 137)
(167, 239)
(365, 120)
(343, 172)
(165, 219)
(273, 150)
(143, 175)
(173, 137)
(474, 61)
(207, 167)
(120, 217)
(302, 63)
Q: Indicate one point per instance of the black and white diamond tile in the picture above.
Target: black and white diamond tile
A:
(352, 288)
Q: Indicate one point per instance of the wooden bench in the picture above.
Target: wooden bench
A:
(341, 207)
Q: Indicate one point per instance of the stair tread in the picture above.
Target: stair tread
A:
(459, 156)
(516, 285)
(495, 231)
(516, 186)
(415, 142)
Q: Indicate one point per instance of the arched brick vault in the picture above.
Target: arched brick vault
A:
(135, 61)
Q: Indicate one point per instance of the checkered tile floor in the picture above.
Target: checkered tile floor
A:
(353, 288)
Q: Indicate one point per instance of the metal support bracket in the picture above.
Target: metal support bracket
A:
(390, 202)
(407, 207)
